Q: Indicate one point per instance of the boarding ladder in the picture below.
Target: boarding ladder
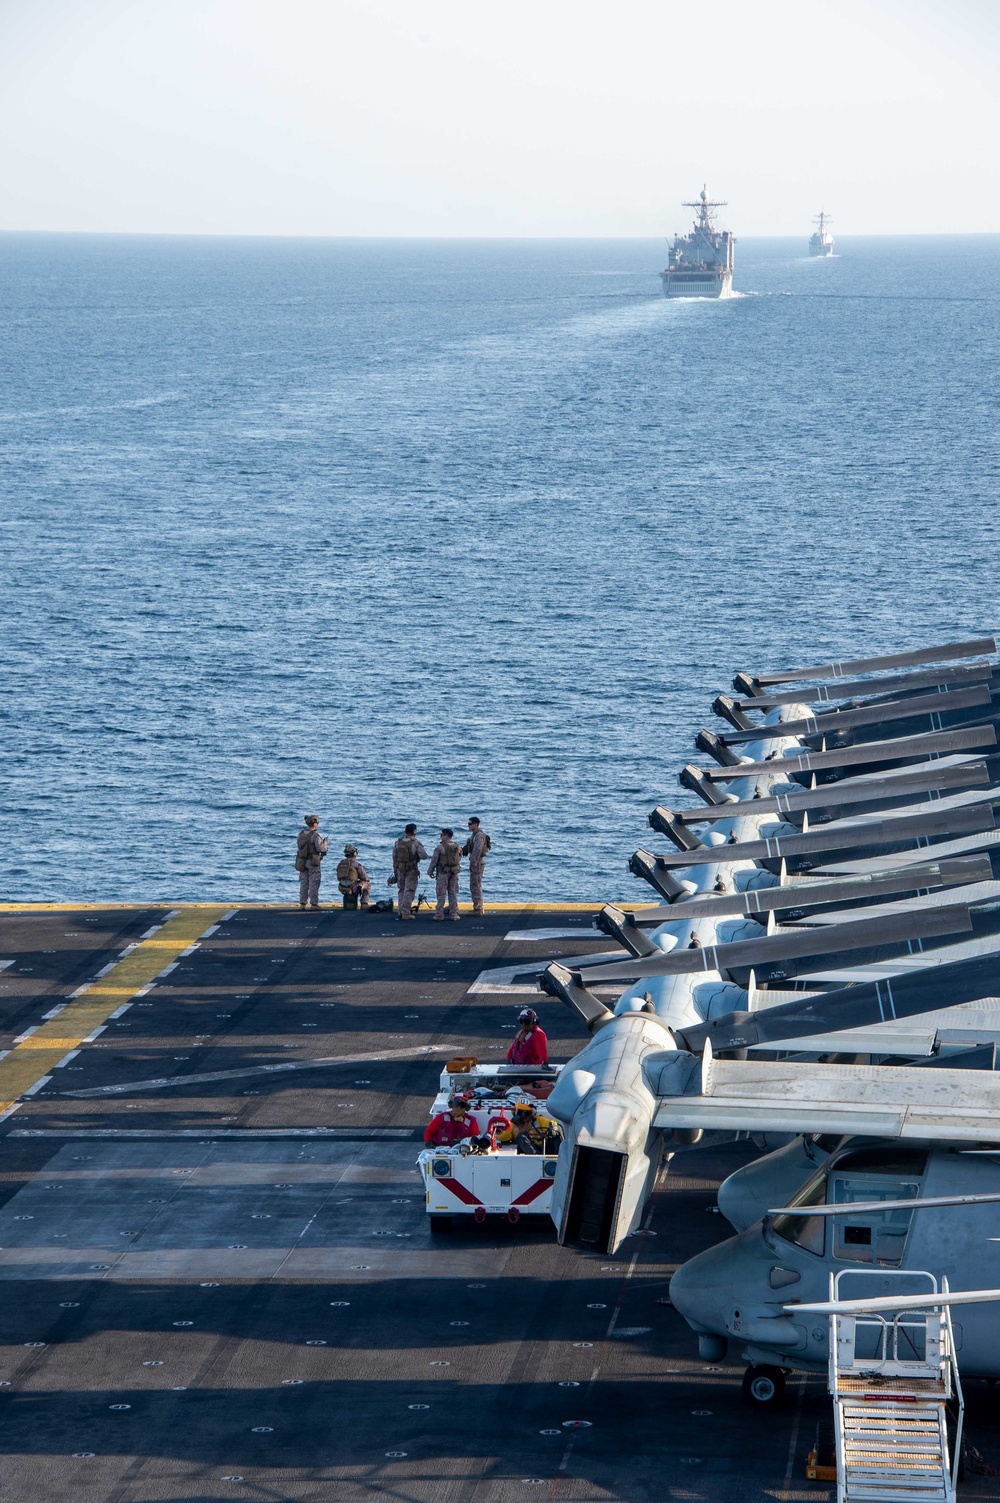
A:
(894, 1381)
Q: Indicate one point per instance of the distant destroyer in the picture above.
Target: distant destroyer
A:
(701, 264)
(821, 242)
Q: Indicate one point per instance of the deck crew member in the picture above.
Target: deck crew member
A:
(476, 847)
(531, 1132)
(352, 879)
(309, 855)
(530, 1046)
(407, 855)
(446, 859)
(452, 1126)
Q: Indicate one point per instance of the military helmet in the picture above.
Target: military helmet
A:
(527, 1015)
(350, 850)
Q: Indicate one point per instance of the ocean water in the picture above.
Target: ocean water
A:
(419, 530)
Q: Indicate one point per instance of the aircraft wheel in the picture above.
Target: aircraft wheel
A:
(440, 1224)
(763, 1386)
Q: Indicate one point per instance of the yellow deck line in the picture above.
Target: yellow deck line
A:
(333, 907)
(32, 1059)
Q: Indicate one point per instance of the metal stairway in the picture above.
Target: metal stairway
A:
(893, 1377)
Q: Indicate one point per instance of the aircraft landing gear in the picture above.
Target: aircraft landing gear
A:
(763, 1386)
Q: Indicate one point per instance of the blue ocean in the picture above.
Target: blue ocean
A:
(416, 530)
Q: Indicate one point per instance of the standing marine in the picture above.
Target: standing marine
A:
(309, 855)
(446, 860)
(352, 879)
(476, 848)
(407, 855)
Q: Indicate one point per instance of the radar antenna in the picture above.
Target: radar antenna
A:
(705, 205)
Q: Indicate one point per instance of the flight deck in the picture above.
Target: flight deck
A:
(219, 1275)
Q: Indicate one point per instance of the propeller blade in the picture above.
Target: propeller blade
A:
(930, 778)
(652, 869)
(956, 872)
(557, 981)
(666, 823)
(896, 1302)
(905, 749)
(967, 819)
(946, 653)
(622, 926)
(864, 1207)
(929, 678)
(864, 934)
(904, 996)
(924, 705)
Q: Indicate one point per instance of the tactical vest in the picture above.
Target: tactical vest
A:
(309, 853)
(404, 857)
(450, 859)
(348, 875)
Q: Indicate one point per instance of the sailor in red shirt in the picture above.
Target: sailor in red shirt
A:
(452, 1126)
(530, 1047)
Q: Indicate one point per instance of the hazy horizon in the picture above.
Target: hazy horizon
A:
(376, 119)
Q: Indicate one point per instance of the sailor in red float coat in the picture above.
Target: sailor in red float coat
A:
(450, 1127)
(530, 1047)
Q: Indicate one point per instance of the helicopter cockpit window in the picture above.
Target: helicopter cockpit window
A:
(870, 1236)
(808, 1232)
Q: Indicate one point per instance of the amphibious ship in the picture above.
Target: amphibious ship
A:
(701, 264)
(821, 242)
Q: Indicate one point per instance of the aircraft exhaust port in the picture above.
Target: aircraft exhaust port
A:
(595, 1193)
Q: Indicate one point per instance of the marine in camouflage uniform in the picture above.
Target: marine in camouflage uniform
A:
(309, 855)
(352, 879)
(446, 861)
(407, 855)
(476, 848)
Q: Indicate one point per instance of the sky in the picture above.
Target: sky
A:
(524, 118)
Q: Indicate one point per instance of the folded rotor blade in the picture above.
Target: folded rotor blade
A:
(623, 927)
(889, 1302)
(903, 996)
(861, 688)
(958, 871)
(653, 870)
(871, 790)
(865, 1207)
(905, 749)
(835, 721)
(865, 934)
(947, 652)
(842, 835)
(557, 981)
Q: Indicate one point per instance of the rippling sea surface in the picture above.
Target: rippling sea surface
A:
(419, 530)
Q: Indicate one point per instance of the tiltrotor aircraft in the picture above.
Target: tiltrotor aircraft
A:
(843, 901)
(872, 1205)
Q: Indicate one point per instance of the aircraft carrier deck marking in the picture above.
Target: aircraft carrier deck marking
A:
(39, 1050)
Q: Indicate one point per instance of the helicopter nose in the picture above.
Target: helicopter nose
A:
(702, 1288)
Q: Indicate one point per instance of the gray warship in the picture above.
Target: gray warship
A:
(701, 264)
(821, 241)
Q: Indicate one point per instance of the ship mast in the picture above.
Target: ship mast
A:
(704, 205)
(821, 219)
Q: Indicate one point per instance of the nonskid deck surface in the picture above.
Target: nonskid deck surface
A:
(217, 1272)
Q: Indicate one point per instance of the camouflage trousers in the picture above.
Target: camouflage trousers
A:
(361, 890)
(309, 881)
(407, 891)
(476, 884)
(447, 891)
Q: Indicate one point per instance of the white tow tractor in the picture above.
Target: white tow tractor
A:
(491, 1178)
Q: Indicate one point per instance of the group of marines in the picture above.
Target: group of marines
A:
(408, 852)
